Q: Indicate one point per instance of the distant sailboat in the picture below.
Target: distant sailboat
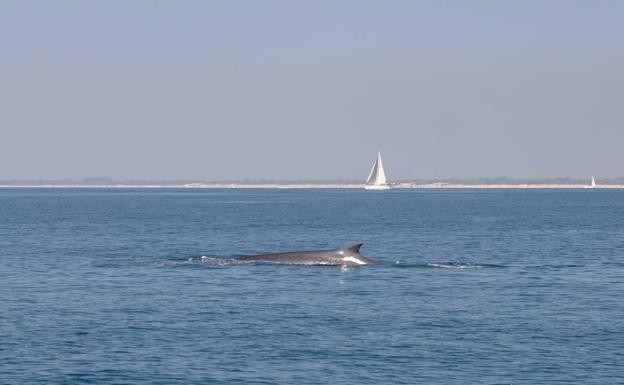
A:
(593, 182)
(377, 177)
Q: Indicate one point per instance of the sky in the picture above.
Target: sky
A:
(294, 90)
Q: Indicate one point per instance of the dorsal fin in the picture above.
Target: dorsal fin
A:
(354, 248)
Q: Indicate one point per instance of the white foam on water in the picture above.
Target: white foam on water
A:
(206, 260)
(454, 265)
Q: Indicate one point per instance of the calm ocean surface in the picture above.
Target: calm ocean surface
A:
(475, 287)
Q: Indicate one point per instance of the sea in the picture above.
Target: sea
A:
(474, 286)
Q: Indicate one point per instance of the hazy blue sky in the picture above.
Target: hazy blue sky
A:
(306, 90)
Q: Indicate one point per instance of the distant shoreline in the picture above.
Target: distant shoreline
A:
(309, 186)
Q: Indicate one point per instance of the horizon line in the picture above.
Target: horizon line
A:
(498, 179)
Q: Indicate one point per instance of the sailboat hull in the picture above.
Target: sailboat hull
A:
(377, 187)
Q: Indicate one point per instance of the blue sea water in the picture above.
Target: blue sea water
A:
(475, 287)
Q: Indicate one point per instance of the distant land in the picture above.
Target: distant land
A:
(499, 182)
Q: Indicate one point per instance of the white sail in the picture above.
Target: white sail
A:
(381, 173)
(373, 174)
(593, 182)
(377, 177)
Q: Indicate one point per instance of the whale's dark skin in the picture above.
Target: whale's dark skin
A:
(343, 256)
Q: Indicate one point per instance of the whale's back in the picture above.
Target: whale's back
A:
(348, 255)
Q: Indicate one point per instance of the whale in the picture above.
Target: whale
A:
(343, 256)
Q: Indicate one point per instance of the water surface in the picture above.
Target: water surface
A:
(475, 287)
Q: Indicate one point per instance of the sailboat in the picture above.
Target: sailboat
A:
(592, 184)
(377, 177)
